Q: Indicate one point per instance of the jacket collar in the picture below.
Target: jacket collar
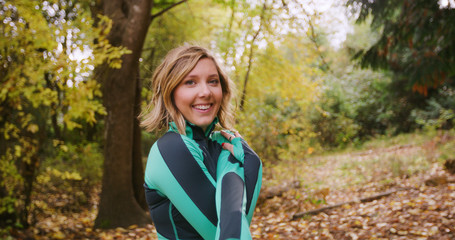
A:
(193, 131)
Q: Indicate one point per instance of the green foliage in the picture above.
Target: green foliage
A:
(353, 106)
(416, 41)
(448, 147)
(68, 175)
(412, 42)
(270, 141)
(47, 54)
(277, 103)
(435, 116)
(357, 104)
(192, 22)
(282, 79)
(21, 97)
(103, 51)
(84, 160)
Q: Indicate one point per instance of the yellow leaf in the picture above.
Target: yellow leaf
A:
(310, 150)
(433, 230)
(33, 128)
(433, 207)
(414, 211)
(357, 223)
(132, 226)
(17, 151)
(64, 148)
(58, 235)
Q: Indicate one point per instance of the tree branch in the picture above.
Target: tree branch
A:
(167, 9)
(362, 200)
(313, 38)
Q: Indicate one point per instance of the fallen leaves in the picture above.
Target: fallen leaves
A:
(423, 209)
(419, 212)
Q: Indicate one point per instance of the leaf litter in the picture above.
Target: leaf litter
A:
(423, 209)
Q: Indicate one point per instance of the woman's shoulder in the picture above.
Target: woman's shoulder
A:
(175, 142)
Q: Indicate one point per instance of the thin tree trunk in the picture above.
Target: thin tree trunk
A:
(250, 59)
(247, 75)
(28, 167)
(229, 29)
(313, 38)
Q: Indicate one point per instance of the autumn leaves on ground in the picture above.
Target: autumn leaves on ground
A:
(393, 189)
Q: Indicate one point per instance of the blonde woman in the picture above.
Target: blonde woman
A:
(200, 183)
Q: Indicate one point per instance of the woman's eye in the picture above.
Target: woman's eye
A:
(214, 81)
(188, 82)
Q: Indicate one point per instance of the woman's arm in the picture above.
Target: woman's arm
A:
(239, 178)
(252, 166)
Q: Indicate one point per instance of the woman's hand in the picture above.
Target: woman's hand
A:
(228, 146)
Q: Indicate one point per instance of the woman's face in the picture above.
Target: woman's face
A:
(198, 97)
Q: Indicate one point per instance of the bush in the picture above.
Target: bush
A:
(439, 112)
(85, 159)
(277, 129)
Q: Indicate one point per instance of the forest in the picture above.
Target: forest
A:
(350, 104)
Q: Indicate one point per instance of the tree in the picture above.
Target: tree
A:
(415, 45)
(416, 41)
(118, 206)
(123, 170)
(41, 82)
(275, 53)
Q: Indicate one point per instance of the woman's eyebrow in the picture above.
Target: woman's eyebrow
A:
(214, 75)
(196, 76)
(191, 76)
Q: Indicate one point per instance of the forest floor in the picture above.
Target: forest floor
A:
(418, 199)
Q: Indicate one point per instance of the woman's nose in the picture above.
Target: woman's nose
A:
(204, 90)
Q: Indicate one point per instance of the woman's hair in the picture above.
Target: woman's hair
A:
(176, 65)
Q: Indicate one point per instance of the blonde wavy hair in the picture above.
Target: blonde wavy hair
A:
(176, 65)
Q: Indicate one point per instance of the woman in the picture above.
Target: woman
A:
(200, 184)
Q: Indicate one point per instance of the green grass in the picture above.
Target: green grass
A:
(383, 141)
(380, 160)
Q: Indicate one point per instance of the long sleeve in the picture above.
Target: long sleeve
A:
(238, 184)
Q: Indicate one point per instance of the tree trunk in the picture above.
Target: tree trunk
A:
(138, 167)
(118, 206)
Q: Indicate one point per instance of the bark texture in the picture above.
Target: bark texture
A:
(118, 206)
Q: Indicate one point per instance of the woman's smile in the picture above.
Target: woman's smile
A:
(202, 107)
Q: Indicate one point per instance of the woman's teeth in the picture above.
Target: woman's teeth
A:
(202, 107)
